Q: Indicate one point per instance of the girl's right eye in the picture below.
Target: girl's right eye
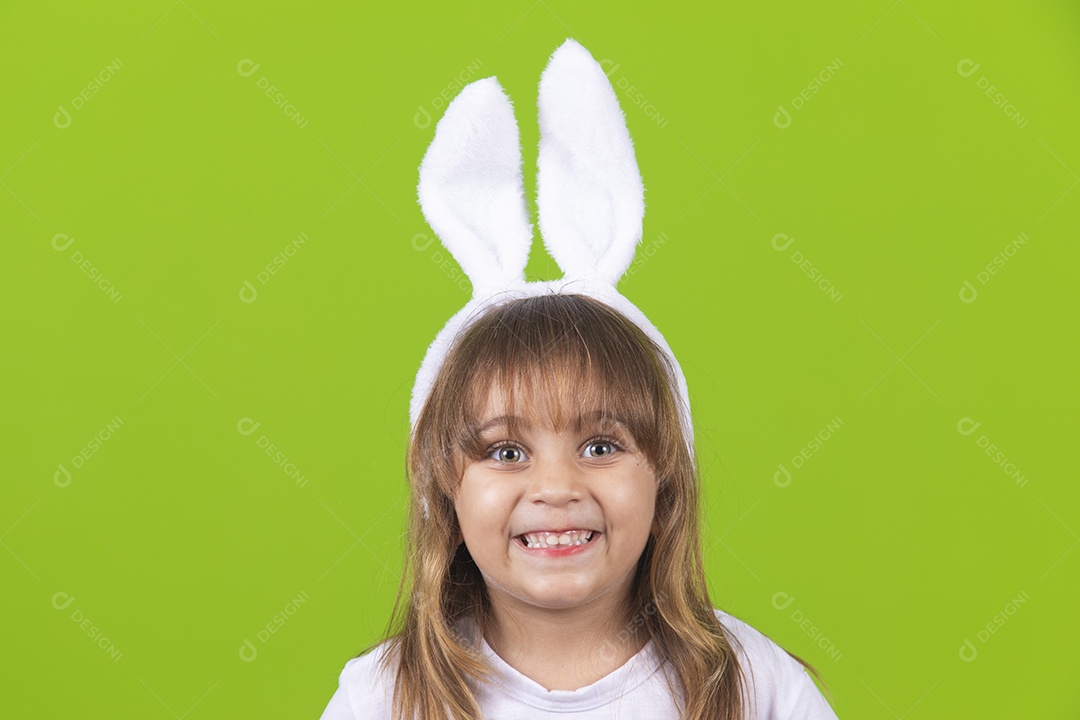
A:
(506, 453)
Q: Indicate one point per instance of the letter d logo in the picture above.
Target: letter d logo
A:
(62, 118)
(62, 237)
(967, 67)
(422, 118)
(246, 426)
(614, 66)
(782, 118)
(248, 652)
(62, 477)
(247, 67)
(61, 600)
(248, 293)
(782, 600)
(966, 426)
(968, 293)
(782, 237)
(782, 477)
(426, 242)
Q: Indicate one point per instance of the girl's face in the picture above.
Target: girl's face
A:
(514, 504)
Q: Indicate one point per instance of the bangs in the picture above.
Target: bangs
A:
(556, 397)
(557, 361)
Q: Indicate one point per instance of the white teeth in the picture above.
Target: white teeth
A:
(546, 539)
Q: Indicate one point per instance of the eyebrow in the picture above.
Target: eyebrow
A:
(596, 416)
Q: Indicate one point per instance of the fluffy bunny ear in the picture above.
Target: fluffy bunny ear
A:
(589, 192)
(471, 190)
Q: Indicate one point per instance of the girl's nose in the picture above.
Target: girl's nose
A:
(556, 481)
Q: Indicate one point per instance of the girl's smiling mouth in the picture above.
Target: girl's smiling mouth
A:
(557, 543)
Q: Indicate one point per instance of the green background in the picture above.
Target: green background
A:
(898, 538)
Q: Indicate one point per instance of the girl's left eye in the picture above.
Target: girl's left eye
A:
(607, 447)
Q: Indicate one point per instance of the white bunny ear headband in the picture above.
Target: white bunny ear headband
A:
(589, 196)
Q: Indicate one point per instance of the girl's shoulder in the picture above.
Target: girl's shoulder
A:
(778, 683)
(756, 645)
(365, 688)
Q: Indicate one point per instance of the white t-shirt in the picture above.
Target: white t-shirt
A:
(781, 689)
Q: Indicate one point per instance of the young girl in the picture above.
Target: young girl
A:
(553, 564)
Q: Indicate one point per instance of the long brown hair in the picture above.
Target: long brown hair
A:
(561, 353)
